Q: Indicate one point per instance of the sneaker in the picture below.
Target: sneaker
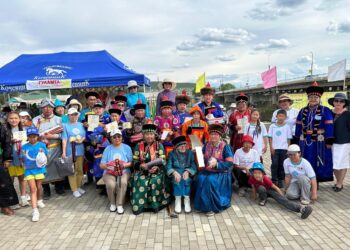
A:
(242, 192)
(14, 207)
(120, 210)
(113, 208)
(76, 194)
(28, 197)
(305, 202)
(81, 191)
(262, 202)
(35, 215)
(305, 212)
(41, 204)
(23, 201)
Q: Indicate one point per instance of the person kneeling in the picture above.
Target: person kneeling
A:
(116, 161)
(262, 185)
(300, 177)
(180, 167)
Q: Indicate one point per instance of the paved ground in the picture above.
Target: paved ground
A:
(86, 223)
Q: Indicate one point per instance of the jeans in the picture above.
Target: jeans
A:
(282, 200)
(277, 170)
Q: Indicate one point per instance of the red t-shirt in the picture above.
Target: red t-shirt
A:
(267, 183)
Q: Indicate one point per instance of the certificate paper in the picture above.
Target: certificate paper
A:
(242, 123)
(200, 157)
(93, 121)
(164, 134)
(111, 126)
(20, 136)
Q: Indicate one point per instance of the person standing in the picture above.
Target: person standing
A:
(91, 98)
(341, 146)
(315, 132)
(168, 87)
(285, 103)
(209, 108)
(8, 195)
(134, 97)
(44, 122)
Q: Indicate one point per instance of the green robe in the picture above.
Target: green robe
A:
(149, 192)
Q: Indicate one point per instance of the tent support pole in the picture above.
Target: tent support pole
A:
(144, 88)
(50, 94)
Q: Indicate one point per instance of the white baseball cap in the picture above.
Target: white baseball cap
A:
(25, 113)
(233, 105)
(116, 132)
(72, 111)
(293, 148)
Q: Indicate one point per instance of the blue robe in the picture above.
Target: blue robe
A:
(182, 116)
(314, 129)
(181, 162)
(214, 189)
(214, 108)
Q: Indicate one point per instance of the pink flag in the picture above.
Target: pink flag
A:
(269, 78)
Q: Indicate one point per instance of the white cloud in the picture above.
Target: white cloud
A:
(273, 44)
(328, 5)
(304, 59)
(335, 27)
(212, 37)
(226, 58)
(183, 66)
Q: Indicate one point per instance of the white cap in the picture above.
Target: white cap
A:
(73, 111)
(233, 105)
(24, 113)
(132, 83)
(293, 148)
(116, 132)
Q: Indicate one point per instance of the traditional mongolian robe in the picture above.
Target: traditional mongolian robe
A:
(200, 130)
(314, 129)
(53, 145)
(170, 123)
(214, 186)
(236, 138)
(134, 135)
(149, 192)
(182, 116)
(181, 162)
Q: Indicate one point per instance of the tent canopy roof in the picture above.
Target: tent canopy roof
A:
(83, 69)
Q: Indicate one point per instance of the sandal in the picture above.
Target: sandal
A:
(338, 189)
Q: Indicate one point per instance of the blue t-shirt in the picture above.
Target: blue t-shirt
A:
(70, 130)
(123, 153)
(29, 153)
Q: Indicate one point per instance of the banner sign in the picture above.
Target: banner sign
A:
(300, 100)
(49, 84)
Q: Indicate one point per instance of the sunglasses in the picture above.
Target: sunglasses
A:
(75, 114)
(116, 136)
(339, 100)
(133, 87)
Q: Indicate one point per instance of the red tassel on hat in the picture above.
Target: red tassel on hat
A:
(315, 84)
(184, 92)
(208, 85)
(139, 101)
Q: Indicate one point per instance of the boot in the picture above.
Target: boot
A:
(187, 203)
(177, 204)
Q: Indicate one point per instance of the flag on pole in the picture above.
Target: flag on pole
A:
(337, 71)
(200, 83)
(269, 78)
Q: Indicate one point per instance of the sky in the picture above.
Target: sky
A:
(231, 41)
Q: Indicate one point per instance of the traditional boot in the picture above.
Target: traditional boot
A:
(177, 204)
(187, 203)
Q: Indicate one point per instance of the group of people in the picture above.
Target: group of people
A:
(181, 153)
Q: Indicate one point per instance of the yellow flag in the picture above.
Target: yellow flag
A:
(200, 83)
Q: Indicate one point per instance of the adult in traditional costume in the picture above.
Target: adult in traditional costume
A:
(91, 98)
(181, 102)
(209, 108)
(214, 183)
(149, 184)
(315, 132)
(8, 195)
(168, 87)
(238, 119)
(50, 129)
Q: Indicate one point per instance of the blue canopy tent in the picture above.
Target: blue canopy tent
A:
(66, 70)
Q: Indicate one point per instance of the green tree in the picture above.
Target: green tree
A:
(227, 86)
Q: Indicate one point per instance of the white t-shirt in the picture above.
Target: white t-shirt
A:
(295, 170)
(280, 135)
(257, 138)
(291, 119)
(242, 158)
